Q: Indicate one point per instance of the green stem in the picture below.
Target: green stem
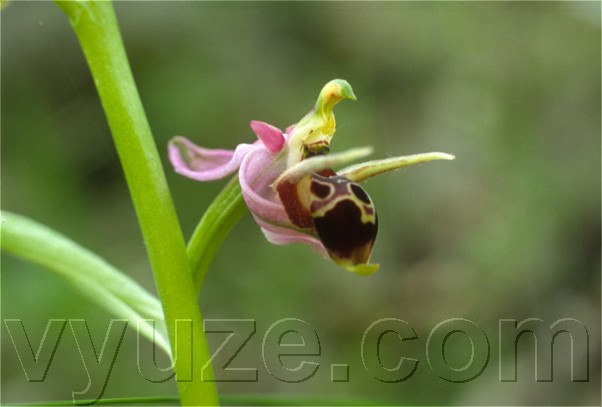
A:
(217, 222)
(96, 27)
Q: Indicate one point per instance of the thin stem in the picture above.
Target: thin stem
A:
(96, 27)
(217, 222)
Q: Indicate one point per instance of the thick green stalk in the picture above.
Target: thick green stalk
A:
(96, 27)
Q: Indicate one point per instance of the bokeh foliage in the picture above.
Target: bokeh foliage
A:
(511, 229)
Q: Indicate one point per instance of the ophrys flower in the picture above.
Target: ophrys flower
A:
(288, 182)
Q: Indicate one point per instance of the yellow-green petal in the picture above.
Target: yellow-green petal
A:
(369, 169)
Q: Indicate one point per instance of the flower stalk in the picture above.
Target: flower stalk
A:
(218, 220)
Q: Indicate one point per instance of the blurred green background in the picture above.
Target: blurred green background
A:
(510, 230)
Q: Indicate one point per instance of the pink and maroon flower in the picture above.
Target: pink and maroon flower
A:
(288, 183)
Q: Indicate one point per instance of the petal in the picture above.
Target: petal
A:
(269, 135)
(279, 235)
(321, 162)
(315, 130)
(283, 236)
(203, 164)
(363, 171)
(345, 219)
(294, 184)
(257, 173)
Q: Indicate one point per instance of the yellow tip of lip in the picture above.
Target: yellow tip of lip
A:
(362, 269)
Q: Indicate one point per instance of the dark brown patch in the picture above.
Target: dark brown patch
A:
(319, 189)
(343, 233)
(360, 193)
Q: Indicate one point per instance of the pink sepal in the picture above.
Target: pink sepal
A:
(203, 164)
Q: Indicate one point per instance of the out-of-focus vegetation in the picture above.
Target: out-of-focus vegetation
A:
(510, 230)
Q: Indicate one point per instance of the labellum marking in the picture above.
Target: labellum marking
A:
(344, 218)
(295, 203)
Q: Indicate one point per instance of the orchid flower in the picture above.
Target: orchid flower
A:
(290, 187)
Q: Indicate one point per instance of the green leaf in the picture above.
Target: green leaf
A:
(96, 279)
